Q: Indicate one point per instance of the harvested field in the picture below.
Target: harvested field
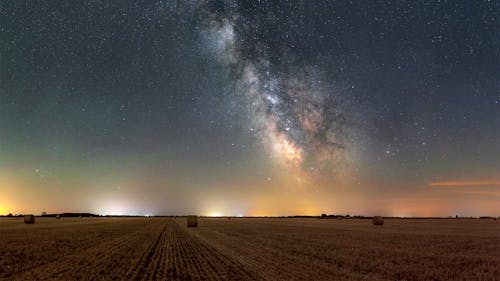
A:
(248, 249)
(110, 249)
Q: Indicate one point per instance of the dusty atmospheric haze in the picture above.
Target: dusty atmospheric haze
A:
(250, 108)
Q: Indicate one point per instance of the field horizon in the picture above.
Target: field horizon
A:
(321, 216)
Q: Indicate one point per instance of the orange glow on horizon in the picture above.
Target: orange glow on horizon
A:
(5, 185)
(3, 210)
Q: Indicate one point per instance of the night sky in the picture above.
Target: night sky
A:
(250, 108)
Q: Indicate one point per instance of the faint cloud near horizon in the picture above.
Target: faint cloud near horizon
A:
(495, 183)
(478, 192)
(464, 187)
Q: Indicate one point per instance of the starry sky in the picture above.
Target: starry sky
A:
(250, 107)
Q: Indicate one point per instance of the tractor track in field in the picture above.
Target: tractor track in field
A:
(147, 259)
(176, 254)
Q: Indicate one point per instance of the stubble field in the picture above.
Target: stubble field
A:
(249, 249)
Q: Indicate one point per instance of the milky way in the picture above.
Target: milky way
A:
(299, 122)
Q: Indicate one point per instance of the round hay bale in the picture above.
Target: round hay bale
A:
(192, 221)
(29, 219)
(378, 220)
(58, 217)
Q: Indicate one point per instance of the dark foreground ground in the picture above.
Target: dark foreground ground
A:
(249, 249)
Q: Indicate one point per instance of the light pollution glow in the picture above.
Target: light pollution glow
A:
(296, 198)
